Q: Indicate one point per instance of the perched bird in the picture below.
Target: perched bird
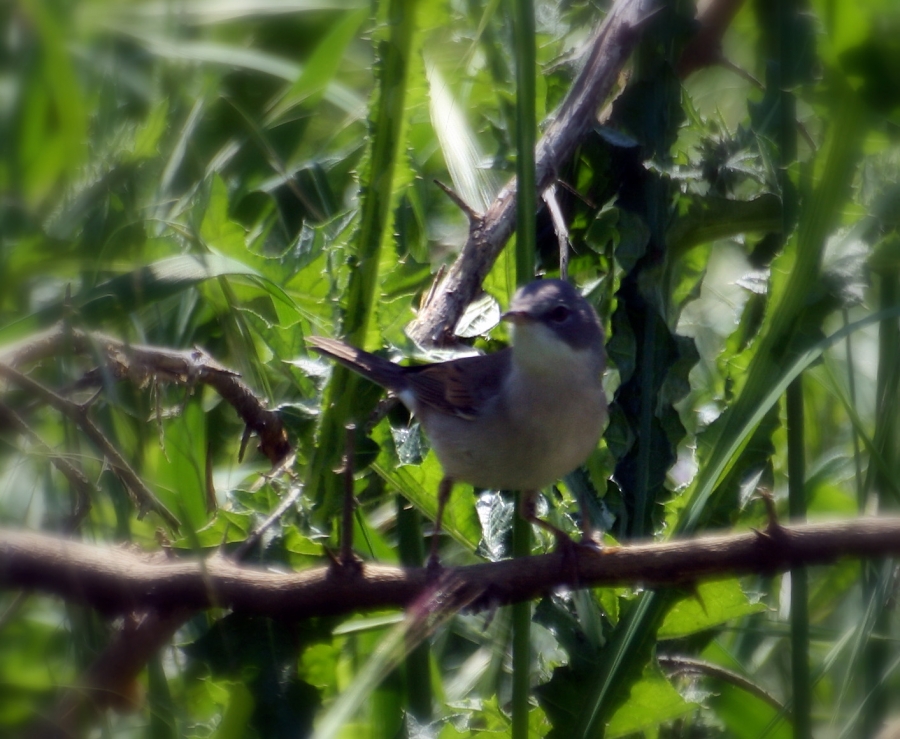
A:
(517, 419)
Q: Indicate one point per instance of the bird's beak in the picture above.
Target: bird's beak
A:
(517, 317)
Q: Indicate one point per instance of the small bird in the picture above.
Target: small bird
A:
(517, 419)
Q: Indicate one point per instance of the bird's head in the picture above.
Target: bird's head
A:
(553, 326)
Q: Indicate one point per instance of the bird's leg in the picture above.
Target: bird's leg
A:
(566, 548)
(589, 535)
(529, 513)
(444, 489)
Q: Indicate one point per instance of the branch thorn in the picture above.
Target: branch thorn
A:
(473, 215)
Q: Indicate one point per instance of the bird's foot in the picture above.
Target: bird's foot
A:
(568, 550)
(433, 567)
(345, 565)
(593, 540)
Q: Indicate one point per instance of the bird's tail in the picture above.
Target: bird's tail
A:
(372, 367)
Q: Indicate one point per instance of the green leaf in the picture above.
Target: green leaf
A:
(652, 701)
(141, 287)
(237, 714)
(227, 527)
(321, 67)
(146, 140)
(180, 467)
(461, 149)
(52, 140)
(419, 485)
(747, 716)
(713, 603)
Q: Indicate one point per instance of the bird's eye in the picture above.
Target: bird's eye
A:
(559, 314)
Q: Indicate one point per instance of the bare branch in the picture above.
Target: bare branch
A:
(142, 364)
(121, 581)
(76, 477)
(143, 497)
(559, 228)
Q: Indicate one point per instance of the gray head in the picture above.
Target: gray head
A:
(558, 306)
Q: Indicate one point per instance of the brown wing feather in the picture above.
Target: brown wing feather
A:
(458, 387)
(461, 386)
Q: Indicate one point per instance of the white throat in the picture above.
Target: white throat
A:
(538, 351)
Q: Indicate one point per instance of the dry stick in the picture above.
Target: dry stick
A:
(196, 366)
(143, 497)
(559, 228)
(610, 48)
(119, 581)
(123, 659)
(142, 364)
(679, 665)
(76, 477)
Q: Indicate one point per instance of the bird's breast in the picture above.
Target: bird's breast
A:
(534, 431)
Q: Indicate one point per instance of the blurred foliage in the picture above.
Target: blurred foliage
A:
(240, 174)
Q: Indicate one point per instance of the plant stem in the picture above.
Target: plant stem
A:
(800, 676)
(417, 672)
(521, 633)
(526, 240)
(526, 136)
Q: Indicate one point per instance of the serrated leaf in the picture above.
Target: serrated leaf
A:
(652, 701)
(709, 218)
(713, 603)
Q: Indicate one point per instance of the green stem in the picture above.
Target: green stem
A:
(375, 219)
(642, 525)
(786, 76)
(521, 633)
(800, 676)
(418, 672)
(874, 573)
(526, 240)
(857, 455)
(526, 136)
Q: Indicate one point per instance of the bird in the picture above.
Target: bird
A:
(516, 419)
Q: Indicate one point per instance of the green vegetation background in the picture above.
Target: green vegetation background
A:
(239, 175)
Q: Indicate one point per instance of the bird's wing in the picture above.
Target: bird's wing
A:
(460, 387)
(372, 367)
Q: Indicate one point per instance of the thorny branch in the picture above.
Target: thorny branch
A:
(104, 578)
(117, 581)
(489, 232)
(142, 364)
(143, 497)
(109, 680)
